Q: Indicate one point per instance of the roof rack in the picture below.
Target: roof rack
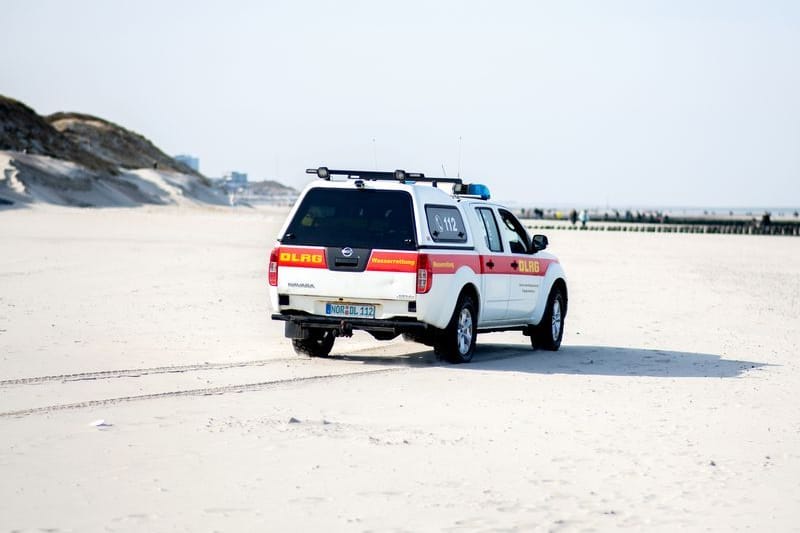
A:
(400, 176)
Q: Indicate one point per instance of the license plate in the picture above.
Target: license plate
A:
(350, 310)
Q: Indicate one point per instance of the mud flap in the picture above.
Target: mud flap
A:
(293, 330)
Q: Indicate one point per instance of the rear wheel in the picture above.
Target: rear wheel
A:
(457, 342)
(547, 335)
(318, 344)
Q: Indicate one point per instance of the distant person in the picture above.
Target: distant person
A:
(584, 217)
(573, 217)
(155, 165)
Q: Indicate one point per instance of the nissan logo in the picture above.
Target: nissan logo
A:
(347, 252)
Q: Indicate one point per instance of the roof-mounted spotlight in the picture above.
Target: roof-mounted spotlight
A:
(321, 172)
(400, 175)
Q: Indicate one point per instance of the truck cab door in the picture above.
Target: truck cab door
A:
(494, 283)
(523, 271)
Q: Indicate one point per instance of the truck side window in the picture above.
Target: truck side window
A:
(445, 224)
(493, 240)
(514, 232)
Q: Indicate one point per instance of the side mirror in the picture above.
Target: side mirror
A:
(539, 243)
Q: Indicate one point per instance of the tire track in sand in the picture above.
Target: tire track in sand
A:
(209, 391)
(136, 372)
(168, 369)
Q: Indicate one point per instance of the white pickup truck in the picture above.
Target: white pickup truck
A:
(393, 253)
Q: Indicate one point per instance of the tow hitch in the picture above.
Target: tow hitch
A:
(345, 330)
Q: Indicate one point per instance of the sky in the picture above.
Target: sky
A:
(592, 103)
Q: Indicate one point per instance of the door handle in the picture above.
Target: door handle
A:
(490, 263)
(514, 265)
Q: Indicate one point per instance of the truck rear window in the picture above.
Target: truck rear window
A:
(354, 218)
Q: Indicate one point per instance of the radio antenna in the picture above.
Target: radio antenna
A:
(459, 157)
(444, 172)
(374, 154)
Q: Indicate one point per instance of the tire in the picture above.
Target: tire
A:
(457, 342)
(548, 334)
(318, 344)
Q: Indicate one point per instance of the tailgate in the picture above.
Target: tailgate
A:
(350, 274)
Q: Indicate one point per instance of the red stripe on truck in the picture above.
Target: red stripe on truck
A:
(515, 265)
(300, 256)
(392, 262)
(450, 263)
(407, 262)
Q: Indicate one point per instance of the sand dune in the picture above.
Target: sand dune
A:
(672, 404)
(30, 178)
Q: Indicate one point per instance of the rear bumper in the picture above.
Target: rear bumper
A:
(297, 325)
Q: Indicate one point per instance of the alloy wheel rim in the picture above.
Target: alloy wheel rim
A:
(556, 323)
(464, 331)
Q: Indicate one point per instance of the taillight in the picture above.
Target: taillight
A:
(273, 267)
(424, 274)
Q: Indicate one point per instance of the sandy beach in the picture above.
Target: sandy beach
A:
(673, 402)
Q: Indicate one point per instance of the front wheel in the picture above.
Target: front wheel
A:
(457, 342)
(547, 335)
(318, 344)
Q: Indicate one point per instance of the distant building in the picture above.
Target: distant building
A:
(189, 160)
(235, 181)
